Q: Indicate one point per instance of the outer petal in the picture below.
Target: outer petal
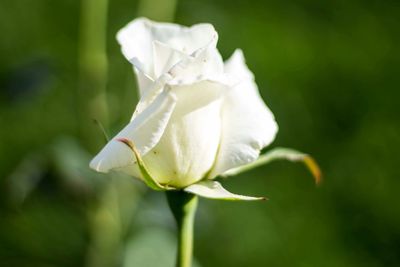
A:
(248, 124)
(136, 40)
(144, 81)
(187, 150)
(148, 96)
(145, 131)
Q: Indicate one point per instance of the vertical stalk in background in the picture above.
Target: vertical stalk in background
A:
(161, 10)
(104, 220)
(183, 206)
(93, 71)
(108, 219)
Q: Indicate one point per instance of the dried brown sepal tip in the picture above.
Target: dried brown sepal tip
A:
(127, 142)
(313, 168)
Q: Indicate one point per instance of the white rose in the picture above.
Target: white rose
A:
(197, 117)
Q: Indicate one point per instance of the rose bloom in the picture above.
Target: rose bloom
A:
(197, 117)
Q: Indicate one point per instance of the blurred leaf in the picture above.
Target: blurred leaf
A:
(152, 247)
(71, 161)
(26, 176)
(111, 219)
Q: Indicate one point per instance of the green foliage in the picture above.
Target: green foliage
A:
(327, 69)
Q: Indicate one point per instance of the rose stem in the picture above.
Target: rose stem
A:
(183, 206)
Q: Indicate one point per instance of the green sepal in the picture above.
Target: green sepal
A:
(147, 178)
(214, 190)
(281, 153)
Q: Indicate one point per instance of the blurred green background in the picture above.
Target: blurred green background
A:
(329, 70)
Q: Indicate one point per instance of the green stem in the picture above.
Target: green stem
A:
(183, 206)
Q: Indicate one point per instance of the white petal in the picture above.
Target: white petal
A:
(187, 150)
(248, 124)
(136, 40)
(214, 190)
(236, 66)
(205, 64)
(145, 82)
(165, 57)
(150, 94)
(145, 131)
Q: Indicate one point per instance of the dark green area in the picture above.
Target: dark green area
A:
(329, 70)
